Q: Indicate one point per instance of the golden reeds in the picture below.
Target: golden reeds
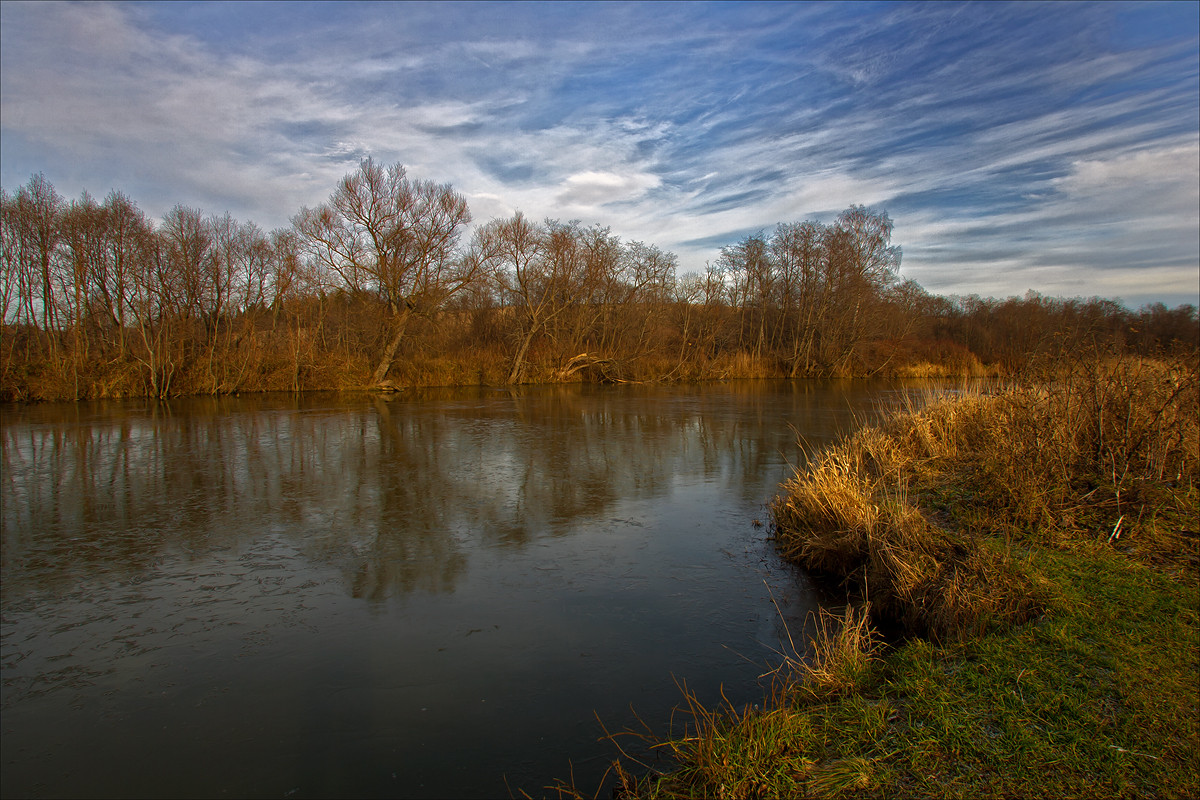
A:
(1096, 437)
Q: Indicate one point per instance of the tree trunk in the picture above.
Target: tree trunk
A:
(519, 359)
(390, 353)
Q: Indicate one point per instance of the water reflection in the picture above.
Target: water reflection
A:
(295, 585)
(389, 490)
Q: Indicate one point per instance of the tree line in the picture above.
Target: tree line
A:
(386, 284)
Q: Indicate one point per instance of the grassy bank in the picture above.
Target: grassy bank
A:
(1037, 551)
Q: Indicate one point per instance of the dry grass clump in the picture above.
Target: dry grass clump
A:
(966, 367)
(1122, 424)
(839, 657)
(737, 751)
(722, 752)
(849, 517)
(1085, 446)
(734, 752)
(1077, 454)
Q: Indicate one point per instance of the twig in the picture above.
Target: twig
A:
(1116, 534)
(1132, 752)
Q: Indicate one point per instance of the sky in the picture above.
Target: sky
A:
(1052, 147)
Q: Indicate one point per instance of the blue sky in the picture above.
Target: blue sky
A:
(1052, 147)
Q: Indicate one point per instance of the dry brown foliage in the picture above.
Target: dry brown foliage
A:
(1094, 440)
(837, 522)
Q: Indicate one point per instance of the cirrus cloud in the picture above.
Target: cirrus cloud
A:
(1014, 146)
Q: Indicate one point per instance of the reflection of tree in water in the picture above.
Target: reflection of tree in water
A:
(76, 497)
(394, 493)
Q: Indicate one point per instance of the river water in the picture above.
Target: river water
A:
(443, 593)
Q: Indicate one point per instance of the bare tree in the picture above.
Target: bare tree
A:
(285, 270)
(33, 216)
(639, 294)
(392, 238)
(156, 312)
(11, 258)
(83, 234)
(189, 277)
(128, 235)
(747, 268)
(796, 253)
(860, 264)
(518, 250)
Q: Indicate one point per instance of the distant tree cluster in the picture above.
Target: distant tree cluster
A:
(383, 284)
(814, 295)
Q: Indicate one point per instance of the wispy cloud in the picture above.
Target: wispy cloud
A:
(1015, 146)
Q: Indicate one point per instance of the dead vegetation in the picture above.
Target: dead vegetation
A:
(901, 514)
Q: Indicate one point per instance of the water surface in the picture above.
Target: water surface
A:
(437, 594)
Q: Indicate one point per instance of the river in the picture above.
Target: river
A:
(443, 593)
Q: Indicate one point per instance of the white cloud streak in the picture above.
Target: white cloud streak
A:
(677, 132)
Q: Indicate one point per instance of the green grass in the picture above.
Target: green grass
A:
(1098, 697)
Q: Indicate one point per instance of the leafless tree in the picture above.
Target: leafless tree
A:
(392, 238)
(33, 218)
(524, 272)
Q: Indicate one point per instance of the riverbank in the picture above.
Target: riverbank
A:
(263, 363)
(1037, 551)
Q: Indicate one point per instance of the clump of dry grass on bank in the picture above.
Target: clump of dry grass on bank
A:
(1095, 699)
(754, 751)
(1065, 457)
(900, 513)
(839, 657)
(837, 521)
